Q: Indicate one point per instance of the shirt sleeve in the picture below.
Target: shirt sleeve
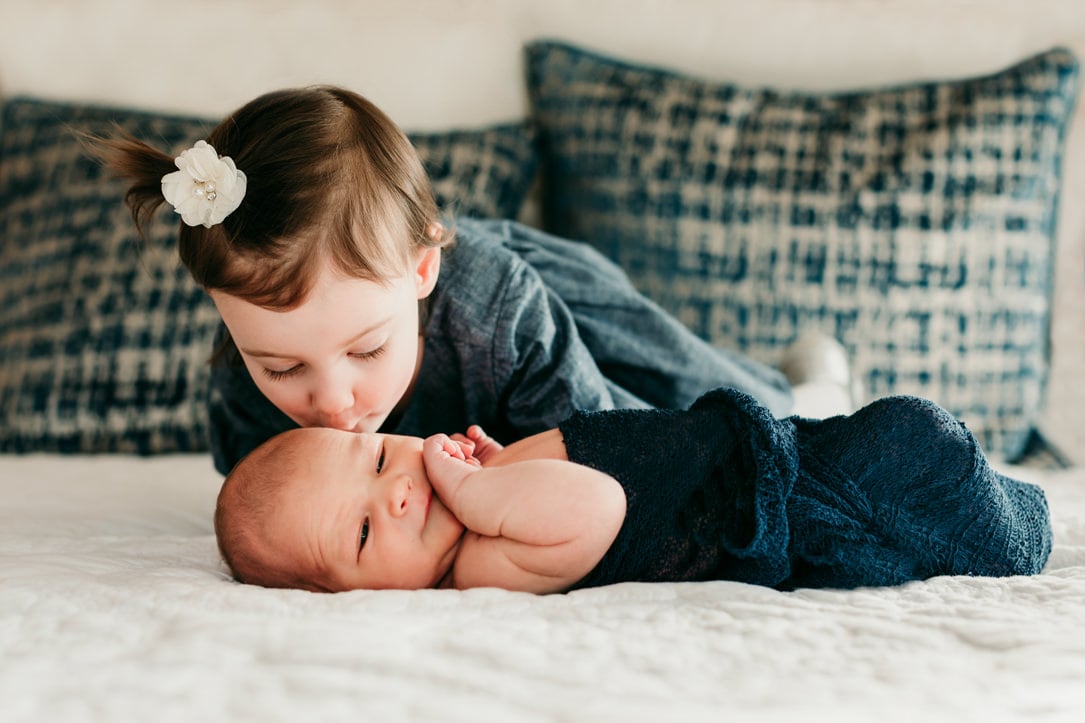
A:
(542, 367)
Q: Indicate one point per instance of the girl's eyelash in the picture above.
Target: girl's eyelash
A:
(366, 355)
(277, 375)
(380, 460)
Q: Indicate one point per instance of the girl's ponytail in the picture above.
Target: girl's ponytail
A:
(129, 158)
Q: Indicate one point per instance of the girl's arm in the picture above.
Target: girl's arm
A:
(538, 525)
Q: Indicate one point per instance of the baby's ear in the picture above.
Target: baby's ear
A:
(426, 270)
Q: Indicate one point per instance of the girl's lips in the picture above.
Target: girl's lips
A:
(354, 427)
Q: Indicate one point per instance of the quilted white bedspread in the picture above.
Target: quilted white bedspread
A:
(114, 607)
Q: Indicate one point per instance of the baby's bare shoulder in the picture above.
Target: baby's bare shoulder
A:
(544, 445)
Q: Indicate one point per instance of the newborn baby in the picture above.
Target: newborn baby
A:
(897, 491)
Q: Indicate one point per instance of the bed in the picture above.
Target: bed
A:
(116, 608)
(114, 604)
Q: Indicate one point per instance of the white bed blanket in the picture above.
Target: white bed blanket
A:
(114, 607)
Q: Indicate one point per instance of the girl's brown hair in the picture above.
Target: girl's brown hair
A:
(330, 179)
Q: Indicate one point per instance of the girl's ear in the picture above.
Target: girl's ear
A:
(427, 270)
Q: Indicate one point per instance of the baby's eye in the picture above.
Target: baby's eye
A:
(380, 460)
(365, 534)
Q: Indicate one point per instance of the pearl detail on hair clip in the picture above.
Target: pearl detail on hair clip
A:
(206, 189)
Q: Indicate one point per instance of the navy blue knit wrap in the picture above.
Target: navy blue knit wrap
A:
(897, 491)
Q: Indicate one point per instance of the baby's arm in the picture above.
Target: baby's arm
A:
(539, 525)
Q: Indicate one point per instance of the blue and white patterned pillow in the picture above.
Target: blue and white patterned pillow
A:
(915, 224)
(104, 341)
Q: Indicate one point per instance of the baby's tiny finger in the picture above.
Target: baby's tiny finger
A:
(463, 440)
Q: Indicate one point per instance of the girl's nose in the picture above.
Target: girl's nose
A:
(331, 399)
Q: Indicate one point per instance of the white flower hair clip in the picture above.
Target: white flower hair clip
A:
(206, 189)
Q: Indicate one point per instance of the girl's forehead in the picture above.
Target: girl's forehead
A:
(337, 309)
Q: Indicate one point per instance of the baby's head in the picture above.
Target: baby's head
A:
(326, 510)
(245, 512)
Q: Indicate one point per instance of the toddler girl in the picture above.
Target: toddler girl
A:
(308, 218)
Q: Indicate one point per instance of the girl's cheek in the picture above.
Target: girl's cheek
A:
(285, 395)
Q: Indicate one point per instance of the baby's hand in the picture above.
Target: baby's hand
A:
(465, 443)
(485, 446)
(460, 447)
(448, 462)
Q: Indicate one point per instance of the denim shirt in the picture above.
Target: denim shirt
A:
(522, 330)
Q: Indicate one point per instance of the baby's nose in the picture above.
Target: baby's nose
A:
(399, 495)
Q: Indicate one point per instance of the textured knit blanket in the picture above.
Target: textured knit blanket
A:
(898, 491)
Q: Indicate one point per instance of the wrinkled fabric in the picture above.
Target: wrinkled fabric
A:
(897, 491)
(522, 330)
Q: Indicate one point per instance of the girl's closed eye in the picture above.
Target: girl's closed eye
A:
(380, 459)
(276, 375)
(367, 355)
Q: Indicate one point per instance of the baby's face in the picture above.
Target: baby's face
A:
(361, 514)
